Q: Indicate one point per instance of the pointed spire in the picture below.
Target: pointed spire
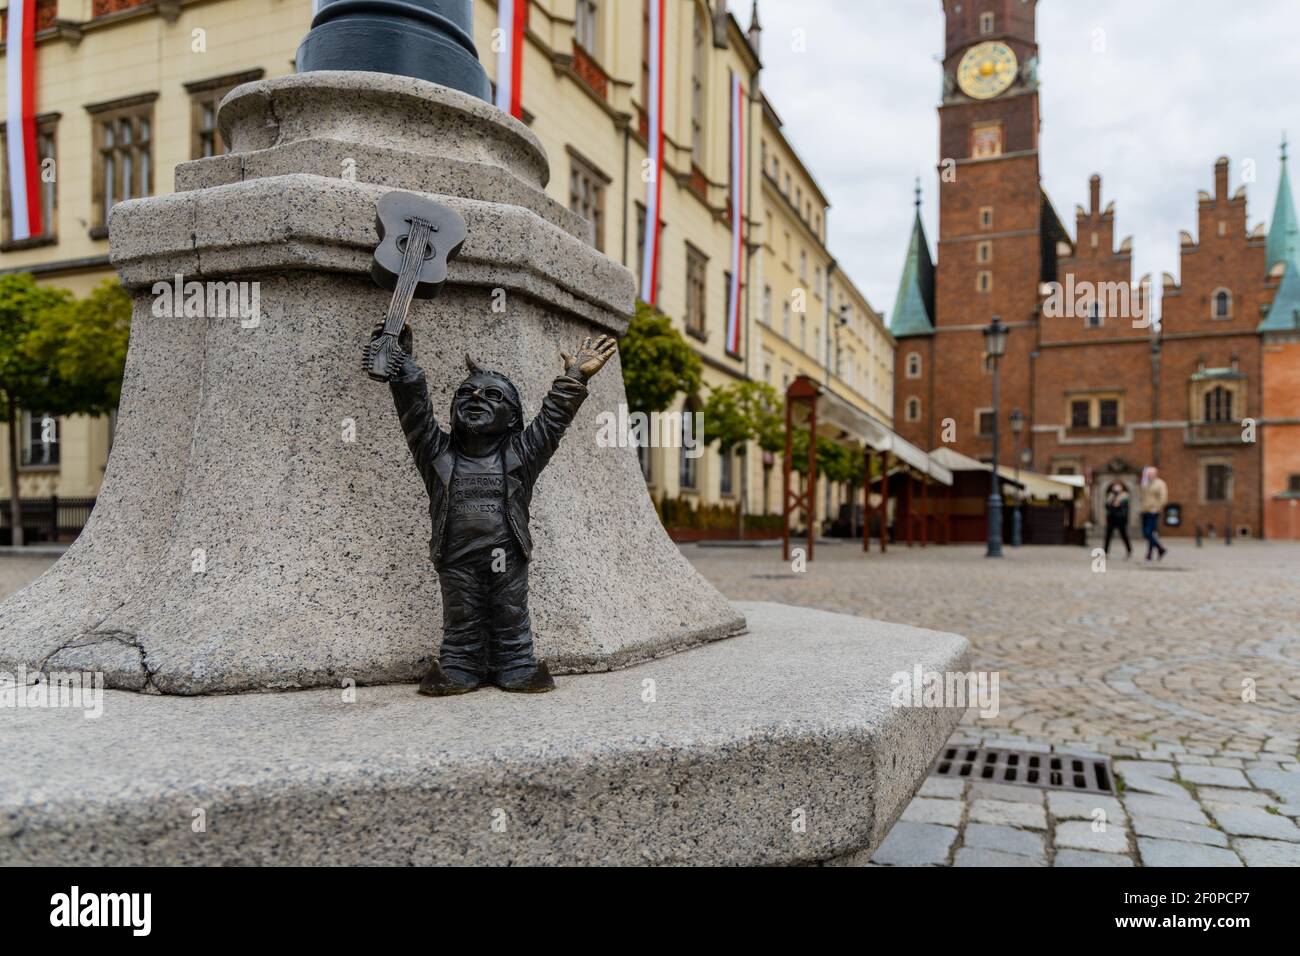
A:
(1284, 234)
(914, 306)
(1284, 314)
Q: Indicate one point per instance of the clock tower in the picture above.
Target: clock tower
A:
(995, 243)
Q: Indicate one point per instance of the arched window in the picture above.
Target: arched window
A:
(913, 413)
(1222, 304)
(689, 475)
(1218, 404)
(914, 365)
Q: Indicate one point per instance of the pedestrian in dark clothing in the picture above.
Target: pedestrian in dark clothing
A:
(1117, 502)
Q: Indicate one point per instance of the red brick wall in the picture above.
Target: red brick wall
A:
(1280, 443)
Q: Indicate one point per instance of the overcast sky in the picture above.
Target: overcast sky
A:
(1177, 84)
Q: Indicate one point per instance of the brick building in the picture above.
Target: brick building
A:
(1104, 389)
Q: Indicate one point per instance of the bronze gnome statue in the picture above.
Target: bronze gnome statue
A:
(480, 480)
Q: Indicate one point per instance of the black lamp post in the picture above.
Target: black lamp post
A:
(1017, 426)
(995, 343)
(427, 39)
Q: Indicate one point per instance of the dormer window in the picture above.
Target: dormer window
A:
(986, 24)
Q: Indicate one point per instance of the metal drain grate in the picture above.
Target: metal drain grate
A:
(1048, 771)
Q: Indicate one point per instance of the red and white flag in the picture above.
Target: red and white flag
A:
(20, 116)
(512, 17)
(734, 313)
(655, 147)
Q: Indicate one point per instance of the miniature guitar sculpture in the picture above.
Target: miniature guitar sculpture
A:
(417, 238)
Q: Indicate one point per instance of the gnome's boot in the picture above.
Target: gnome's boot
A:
(536, 681)
(438, 683)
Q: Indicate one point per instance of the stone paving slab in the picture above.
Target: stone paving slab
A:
(1087, 858)
(981, 857)
(1160, 828)
(1004, 839)
(1176, 853)
(915, 844)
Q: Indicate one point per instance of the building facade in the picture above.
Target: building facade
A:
(1102, 386)
(128, 89)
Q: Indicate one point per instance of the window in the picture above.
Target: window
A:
(767, 306)
(727, 461)
(643, 458)
(986, 217)
(984, 422)
(1093, 319)
(586, 26)
(914, 365)
(640, 252)
(803, 333)
(1108, 413)
(688, 473)
(817, 281)
(787, 185)
(1218, 405)
(697, 88)
(696, 269)
(803, 265)
(913, 409)
(985, 140)
(785, 319)
(40, 440)
(123, 155)
(205, 97)
(1222, 302)
(1080, 414)
(46, 160)
(1293, 485)
(986, 23)
(1218, 481)
(587, 197)
(984, 281)
(984, 251)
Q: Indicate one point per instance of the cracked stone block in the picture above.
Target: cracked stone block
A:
(915, 844)
(1268, 853)
(1251, 821)
(973, 856)
(942, 787)
(1244, 798)
(1163, 829)
(1083, 806)
(1004, 840)
(929, 810)
(1082, 836)
(1177, 853)
(1282, 782)
(1011, 814)
(1215, 777)
(1088, 858)
(1171, 809)
(1007, 792)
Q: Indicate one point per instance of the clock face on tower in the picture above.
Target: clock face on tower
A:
(986, 70)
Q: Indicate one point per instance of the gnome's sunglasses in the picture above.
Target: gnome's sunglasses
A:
(491, 393)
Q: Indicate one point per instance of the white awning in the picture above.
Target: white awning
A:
(838, 420)
(1034, 484)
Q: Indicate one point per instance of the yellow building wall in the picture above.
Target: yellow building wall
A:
(140, 51)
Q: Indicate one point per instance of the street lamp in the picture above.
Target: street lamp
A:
(995, 344)
(1017, 426)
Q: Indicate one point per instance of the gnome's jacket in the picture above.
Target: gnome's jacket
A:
(525, 454)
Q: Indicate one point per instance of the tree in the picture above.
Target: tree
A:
(657, 362)
(85, 345)
(738, 413)
(58, 355)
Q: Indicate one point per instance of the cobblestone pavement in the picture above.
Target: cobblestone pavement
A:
(1186, 673)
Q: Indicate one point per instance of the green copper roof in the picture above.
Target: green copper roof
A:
(1284, 234)
(914, 307)
(1284, 313)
